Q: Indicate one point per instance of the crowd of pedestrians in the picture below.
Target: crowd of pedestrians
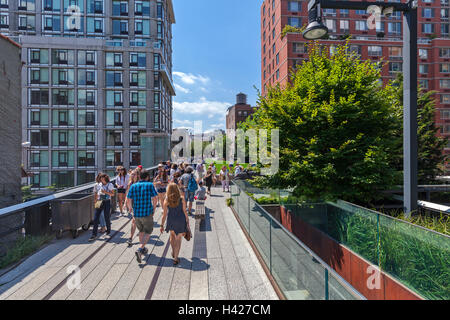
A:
(174, 187)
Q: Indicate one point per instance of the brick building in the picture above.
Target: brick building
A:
(10, 129)
(279, 56)
(239, 112)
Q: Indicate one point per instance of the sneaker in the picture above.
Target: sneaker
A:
(130, 242)
(144, 251)
(139, 255)
(92, 238)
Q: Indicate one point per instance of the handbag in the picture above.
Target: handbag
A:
(188, 235)
(98, 204)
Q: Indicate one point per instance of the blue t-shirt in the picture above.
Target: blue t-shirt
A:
(142, 193)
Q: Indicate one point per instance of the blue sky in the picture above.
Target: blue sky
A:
(216, 54)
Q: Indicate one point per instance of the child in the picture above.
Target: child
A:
(200, 194)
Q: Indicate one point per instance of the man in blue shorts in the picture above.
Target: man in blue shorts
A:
(142, 197)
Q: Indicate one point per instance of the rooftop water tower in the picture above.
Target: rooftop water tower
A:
(241, 98)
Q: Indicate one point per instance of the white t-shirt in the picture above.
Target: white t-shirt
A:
(101, 187)
(122, 181)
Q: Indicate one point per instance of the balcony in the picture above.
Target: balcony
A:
(167, 78)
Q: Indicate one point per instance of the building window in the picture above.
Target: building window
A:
(423, 83)
(120, 8)
(295, 22)
(444, 52)
(344, 25)
(423, 68)
(299, 48)
(329, 12)
(423, 53)
(114, 79)
(4, 20)
(445, 99)
(27, 23)
(120, 27)
(361, 25)
(427, 28)
(394, 27)
(375, 51)
(94, 25)
(395, 51)
(138, 60)
(444, 68)
(427, 13)
(395, 66)
(331, 24)
(344, 12)
(94, 6)
(444, 84)
(295, 6)
(445, 29)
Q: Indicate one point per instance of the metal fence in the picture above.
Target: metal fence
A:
(41, 207)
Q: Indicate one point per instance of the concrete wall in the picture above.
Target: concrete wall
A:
(10, 135)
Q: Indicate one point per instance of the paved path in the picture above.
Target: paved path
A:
(218, 263)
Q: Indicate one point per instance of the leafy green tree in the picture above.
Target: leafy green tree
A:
(431, 157)
(336, 126)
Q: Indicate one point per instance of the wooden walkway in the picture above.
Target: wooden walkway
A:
(218, 263)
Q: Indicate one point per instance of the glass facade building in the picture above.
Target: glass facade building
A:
(98, 74)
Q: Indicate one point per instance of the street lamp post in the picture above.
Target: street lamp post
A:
(316, 30)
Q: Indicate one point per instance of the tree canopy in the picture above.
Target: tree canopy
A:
(340, 129)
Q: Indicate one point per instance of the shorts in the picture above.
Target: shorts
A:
(121, 190)
(145, 224)
(161, 190)
(189, 195)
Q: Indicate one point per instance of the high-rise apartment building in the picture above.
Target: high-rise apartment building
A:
(98, 74)
(280, 55)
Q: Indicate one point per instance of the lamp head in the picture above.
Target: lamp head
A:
(315, 30)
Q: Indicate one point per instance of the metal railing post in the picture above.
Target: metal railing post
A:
(327, 297)
(270, 245)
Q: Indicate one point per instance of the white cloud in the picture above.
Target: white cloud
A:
(183, 122)
(182, 89)
(191, 79)
(202, 107)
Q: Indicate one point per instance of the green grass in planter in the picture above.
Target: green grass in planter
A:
(418, 258)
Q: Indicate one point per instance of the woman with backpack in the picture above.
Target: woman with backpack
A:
(188, 186)
(177, 219)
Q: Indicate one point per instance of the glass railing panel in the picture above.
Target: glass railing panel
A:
(242, 207)
(356, 228)
(298, 274)
(260, 230)
(417, 257)
(337, 290)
